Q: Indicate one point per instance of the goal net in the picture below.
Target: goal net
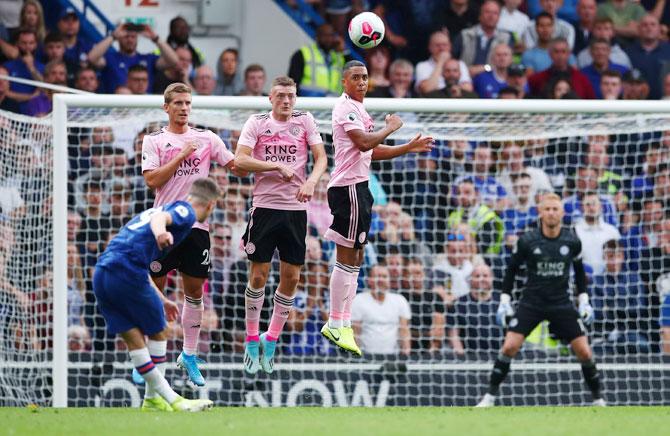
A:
(444, 226)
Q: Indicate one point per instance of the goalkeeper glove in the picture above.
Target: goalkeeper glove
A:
(505, 311)
(585, 309)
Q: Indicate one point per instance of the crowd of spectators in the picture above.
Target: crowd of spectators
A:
(614, 49)
(443, 225)
(432, 269)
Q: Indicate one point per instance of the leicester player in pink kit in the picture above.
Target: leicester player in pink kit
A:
(172, 159)
(276, 146)
(356, 145)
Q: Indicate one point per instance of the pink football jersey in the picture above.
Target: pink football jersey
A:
(285, 142)
(161, 147)
(351, 165)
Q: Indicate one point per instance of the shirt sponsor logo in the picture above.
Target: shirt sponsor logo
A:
(281, 153)
(550, 269)
(188, 167)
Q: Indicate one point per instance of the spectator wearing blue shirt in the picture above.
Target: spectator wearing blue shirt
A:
(115, 64)
(490, 191)
(600, 53)
(567, 10)
(488, 83)
(655, 160)
(586, 179)
(650, 54)
(537, 58)
(76, 46)
(24, 67)
(474, 316)
(522, 214)
(644, 235)
(619, 301)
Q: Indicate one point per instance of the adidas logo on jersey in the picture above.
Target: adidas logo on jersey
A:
(537, 251)
(267, 132)
(168, 145)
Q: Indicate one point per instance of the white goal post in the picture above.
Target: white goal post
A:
(506, 117)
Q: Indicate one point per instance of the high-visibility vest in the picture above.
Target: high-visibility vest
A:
(541, 338)
(483, 215)
(319, 78)
(612, 182)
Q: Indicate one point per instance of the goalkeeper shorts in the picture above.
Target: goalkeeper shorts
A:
(564, 322)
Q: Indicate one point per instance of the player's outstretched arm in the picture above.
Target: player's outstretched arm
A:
(158, 177)
(366, 141)
(320, 165)
(419, 144)
(245, 162)
(159, 223)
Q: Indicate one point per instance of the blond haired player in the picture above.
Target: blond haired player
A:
(548, 252)
(172, 159)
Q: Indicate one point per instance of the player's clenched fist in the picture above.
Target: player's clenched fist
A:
(306, 191)
(164, 240)
(188, 149)
(286, 172)
(393, 121)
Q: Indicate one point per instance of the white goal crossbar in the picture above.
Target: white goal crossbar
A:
(63, 103)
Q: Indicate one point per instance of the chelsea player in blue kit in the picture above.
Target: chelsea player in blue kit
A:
(129, 301)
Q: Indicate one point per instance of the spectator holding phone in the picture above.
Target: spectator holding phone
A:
(115, 64)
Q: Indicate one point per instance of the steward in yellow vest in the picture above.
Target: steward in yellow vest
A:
(317, 67)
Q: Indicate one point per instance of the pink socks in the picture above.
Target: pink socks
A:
(253, 304)
(191, 317)
(282, 308)
(342, 280)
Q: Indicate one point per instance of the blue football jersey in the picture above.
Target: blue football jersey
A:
(135, 245)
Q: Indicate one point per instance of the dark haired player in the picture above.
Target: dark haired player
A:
(356, 145)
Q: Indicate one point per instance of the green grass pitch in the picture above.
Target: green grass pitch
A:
(578, 421)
